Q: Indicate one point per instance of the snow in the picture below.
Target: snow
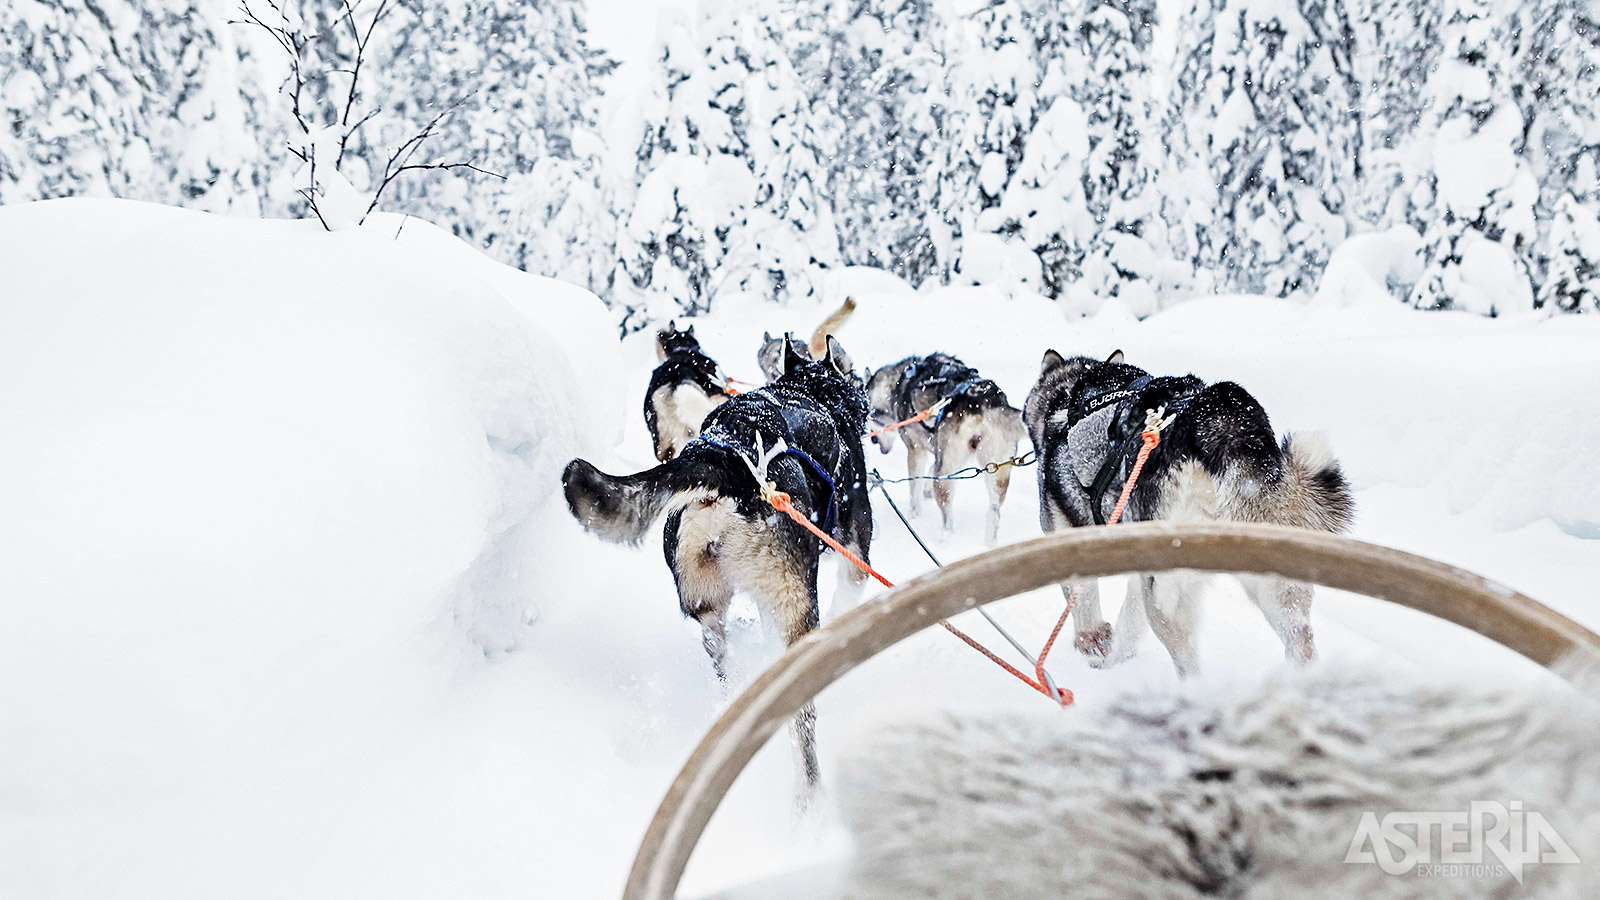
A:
(267, 492)
(291, 606)
(1365, 266)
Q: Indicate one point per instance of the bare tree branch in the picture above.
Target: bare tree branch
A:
(294, 43)
(310, 193)
(366, 118)
(361, 39)
(447, 166)
(400, 160)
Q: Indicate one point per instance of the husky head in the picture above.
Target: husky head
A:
(670, 341)
(771, 356)
(882, 387)
(832, 381)
(1059, 376)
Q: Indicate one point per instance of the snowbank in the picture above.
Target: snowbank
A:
(266, 491)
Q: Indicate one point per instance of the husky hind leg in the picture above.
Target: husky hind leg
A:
(1133, 621)
(998, 484)
(919, 463)
(794, 608)
(852, 581)
(693, 543)
(1287, 607)
(778, 567)
(1311, 493)
(1173, 606)
(995, 442)
(950, 451)
(797, 622)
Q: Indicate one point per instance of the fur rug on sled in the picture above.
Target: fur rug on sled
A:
(1181, 797)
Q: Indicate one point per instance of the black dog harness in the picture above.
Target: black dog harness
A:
(1123, 431)
(830, 516)
(960, 375)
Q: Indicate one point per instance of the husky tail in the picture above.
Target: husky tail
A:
(1305, 489)
(834, 321)
(1314, 493)
(621, 508)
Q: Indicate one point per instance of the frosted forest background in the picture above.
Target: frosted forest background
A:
(1143, 151)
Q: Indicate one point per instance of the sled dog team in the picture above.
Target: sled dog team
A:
(1218, 459)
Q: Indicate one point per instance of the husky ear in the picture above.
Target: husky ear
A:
(690, 332)
(766, 337)
(1115, 358)
(837, 358)
(1050, 361)
(791, 359)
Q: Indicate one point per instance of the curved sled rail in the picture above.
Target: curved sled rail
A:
(811, 664)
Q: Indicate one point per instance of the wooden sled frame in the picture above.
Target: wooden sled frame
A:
(822, 657)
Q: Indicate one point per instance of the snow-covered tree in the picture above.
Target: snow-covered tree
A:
(1556, 82)
(994, 92)
(731, 190)
(1042, 175)
(518, 81)
(1397, 48)
(1022, 144)
(1572, 275)
(1481, 219)
(157, 100)
(478, 115)
(1125, 259)
(178, 101)
(1262, 109)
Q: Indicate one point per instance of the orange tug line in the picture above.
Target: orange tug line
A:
(914, 419)
(1151, 436)
(729, 389)
(1151, 439)
(781, 501)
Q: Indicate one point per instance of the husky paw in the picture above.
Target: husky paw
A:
(1095, 644)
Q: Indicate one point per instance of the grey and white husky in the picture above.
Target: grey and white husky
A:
(721, 536)
(977, 425)
(1218, 459)
(770, 356)
(683, 390)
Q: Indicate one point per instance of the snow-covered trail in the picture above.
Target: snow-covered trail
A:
(1437, 419)
(290, 606)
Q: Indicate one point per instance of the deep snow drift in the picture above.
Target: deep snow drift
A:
(289, 604)
(271, 496)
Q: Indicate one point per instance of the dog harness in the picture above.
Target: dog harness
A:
(958, 373)
(1104, 435)
(830, 518)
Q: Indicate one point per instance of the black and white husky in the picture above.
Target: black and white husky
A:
(1218, 459)
(977, 424)
(683, 390)
(802, 432)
